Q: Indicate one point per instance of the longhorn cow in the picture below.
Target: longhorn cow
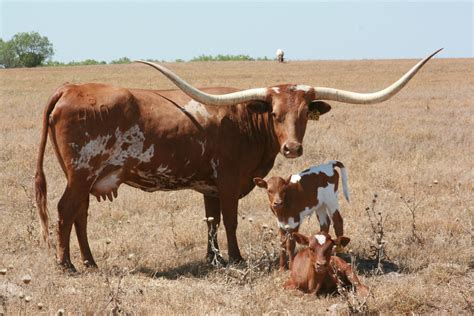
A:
(214, 141)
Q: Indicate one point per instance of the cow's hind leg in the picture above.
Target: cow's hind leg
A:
(213, 216)
(80, 225)
(68, 208)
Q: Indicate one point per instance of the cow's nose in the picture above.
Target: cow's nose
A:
(292, 149)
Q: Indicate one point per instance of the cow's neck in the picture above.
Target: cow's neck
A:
(261, 131)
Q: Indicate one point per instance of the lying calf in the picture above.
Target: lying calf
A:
(315, 190)
(315, 271)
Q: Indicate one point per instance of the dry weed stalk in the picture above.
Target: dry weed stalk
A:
(172, 216)
(30, 228)
(355, 303)
(217, 260)
(378, 247)
(114, 293)
(412, 205)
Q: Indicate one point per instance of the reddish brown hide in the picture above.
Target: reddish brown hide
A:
(316, 271)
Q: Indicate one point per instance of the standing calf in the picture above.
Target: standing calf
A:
(315, 271)
(299, 196)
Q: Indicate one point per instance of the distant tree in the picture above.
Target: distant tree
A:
(25, 50)
(7, 55)
(123, 60)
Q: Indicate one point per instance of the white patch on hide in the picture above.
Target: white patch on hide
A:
(295, 178)
(302, 87)
(214, 165)
(276, 89)
(326, 168)
(108, 183)
(290, 224)
(195, 108)
(115, 155)
(90, 150)
(203, 146)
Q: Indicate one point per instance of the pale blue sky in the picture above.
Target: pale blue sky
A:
(107, 30)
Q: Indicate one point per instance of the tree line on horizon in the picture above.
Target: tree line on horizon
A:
(31, 49)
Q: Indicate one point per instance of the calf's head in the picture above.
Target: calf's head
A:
(276, 188)
(321, 246)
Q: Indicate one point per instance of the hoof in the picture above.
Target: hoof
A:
(67, 267)
(216, 260)
(90, 264)
(236, 260)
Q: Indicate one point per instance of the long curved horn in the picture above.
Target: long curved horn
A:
(211, 99)
(323, 93)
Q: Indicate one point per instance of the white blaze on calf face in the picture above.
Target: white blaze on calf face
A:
(276, 90)
(320, 238)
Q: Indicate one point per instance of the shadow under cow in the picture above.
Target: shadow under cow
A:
(197, 269)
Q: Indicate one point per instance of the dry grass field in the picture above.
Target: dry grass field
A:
(150, 247)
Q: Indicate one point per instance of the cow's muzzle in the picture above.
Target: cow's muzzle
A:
(292, 149)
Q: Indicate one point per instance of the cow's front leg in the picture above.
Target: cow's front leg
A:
(213, 216)
(229, 202)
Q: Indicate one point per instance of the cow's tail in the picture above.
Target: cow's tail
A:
(345, 186)
(40, 179)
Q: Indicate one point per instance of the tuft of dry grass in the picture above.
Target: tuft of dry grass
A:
(150, 247)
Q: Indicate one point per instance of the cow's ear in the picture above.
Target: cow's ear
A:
(301, 239)
(260, 182)
(342, 240)
(259, 107)
(317, 108)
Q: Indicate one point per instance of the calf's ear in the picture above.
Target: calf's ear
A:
(260, 182)
(342, 240)
(301, 239)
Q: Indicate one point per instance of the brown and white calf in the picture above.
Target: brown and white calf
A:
(314, 190)
(316, 271)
